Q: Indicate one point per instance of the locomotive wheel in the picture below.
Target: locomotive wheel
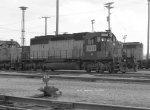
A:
(115, 71)
(123, 71)
(88, 70)
(101, 71)
(110, 67)
(110, 71)
(52, 70)
(135, 67)
(97, 71)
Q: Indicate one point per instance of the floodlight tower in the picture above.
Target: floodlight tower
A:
(23, 25)
(124, 38)
(147, 57)
(108, 6)
(45, 24)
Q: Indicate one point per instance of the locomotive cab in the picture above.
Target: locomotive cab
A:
(100, 46)
(101, 51)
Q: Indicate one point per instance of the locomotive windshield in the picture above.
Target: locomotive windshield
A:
(108, 37)
(103, 39)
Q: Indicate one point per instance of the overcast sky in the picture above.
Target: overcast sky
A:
(129, 17)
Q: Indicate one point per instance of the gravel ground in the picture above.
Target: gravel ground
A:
(79, 91)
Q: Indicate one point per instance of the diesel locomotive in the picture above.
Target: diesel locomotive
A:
(96, 51)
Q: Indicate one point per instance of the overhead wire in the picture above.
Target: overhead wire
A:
(9, 29)
(2, 27)
(52, 16)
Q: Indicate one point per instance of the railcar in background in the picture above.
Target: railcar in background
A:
(134, 50)
(13, 56)
(10, 54)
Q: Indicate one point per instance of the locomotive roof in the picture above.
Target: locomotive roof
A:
(74, 36)
(46, 39)
(132, 44)
(98, 34)
(9, 43)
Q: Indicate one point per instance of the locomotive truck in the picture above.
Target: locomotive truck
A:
(96, 51)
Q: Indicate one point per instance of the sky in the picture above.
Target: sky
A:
(128, 17)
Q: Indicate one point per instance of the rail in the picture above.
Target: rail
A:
(62, 105)
(95, 78)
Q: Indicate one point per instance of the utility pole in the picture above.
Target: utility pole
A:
(124, 37)
(93, 21)
(45, 24)
(147, 57)
(57, 17)
(23, 25)
(108, 6)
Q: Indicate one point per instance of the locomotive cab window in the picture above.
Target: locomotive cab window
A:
(91, 41)
(105, 39)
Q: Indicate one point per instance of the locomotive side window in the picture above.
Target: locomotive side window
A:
(91, 41)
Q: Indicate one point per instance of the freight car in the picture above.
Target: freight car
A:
(99, 51)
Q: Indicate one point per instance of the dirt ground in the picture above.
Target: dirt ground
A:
(80, 91)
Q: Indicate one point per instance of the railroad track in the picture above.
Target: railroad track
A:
(22, 103)
(139, 73)
(129, 79)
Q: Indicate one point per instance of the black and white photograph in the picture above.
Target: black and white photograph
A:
(74, 55)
